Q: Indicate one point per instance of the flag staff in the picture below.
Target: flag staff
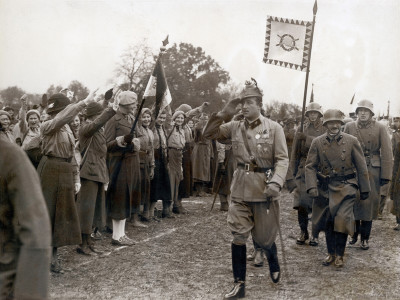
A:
(308, 68)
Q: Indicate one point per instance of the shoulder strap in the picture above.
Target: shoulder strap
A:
(246, 143)
(86, 152)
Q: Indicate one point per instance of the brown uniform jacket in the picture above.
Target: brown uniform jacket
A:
(267, 143)
(94, 167)
(25, 226)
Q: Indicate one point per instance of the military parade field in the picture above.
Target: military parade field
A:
(189, 258)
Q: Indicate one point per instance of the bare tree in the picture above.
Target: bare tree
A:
(135, 66)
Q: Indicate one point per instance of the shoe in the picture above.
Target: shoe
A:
(155, 219)
(168, 216)
(251, 256)
(364, 245)
(397, 227)
(237, 292)
(330, 259)
(95, 250)
(96, 235)
(259, 258)
(313, 242)
(144, 219)
(128, 240)
(85, 250)
(55, 267)
(122, 242)
(108, 230)
(339, 263)
(275, 276)
(224, 206)
(302, 238)
(353, 240)
(139, 224)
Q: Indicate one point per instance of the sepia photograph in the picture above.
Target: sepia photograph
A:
(199, 149)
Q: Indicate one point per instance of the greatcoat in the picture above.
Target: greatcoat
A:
(201, 155)
(297, 164)
(376, 145)
(123, 163)
(395, 184)
(336, 157)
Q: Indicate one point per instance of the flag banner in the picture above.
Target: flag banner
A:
(287, 43)
(312, 95)
(158, 87)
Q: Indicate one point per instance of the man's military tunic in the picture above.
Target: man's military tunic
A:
(338, 157)
(377, 147)
(297, 164)
(249, 207)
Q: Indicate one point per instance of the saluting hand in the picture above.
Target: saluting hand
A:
(230, 109)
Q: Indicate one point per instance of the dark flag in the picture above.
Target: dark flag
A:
(352, 99)
(158, 87)
(312, 94)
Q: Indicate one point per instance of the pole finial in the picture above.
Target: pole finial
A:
(164, 43)
(315, 8)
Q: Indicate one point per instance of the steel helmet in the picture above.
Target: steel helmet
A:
(313, 106)
(366, 104)
(333, 115)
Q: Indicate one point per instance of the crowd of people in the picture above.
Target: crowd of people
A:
(102, 161)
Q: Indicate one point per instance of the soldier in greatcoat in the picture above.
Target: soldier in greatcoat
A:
(295, 179)
(395, 187)
(333, 183)
(59, 172)
(376, 145)
(260, 150)
(94, 174)
(25, 234)
(123, 194)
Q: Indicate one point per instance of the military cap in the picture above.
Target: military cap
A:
(127, 98)
(57, 103)
(251, 90)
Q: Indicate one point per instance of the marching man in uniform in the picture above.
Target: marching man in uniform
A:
(332, 182)
(376, 145)
(259, 148)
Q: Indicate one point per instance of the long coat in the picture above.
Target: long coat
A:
(91, 201)
(123, 193)
(337, 156)
(297, 164)
(376, 145)
(25, 234)
(395, 184)
(186, 185)
(201, 155)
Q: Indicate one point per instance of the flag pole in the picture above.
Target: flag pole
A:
(315, 8)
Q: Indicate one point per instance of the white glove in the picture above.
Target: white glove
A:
(120, 141)
(77, 187)
(115, 105)
(136, 144)
(105, 186)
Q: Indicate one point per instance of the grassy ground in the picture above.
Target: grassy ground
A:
(189, 258)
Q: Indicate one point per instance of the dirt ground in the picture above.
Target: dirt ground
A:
(189, 258)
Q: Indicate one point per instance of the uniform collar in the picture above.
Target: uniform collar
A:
(253, 124)
(364, 124)
(337, 137)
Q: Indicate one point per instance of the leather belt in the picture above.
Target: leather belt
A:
(252, 168)
(175, 148)
(343, 177)
(69, 159)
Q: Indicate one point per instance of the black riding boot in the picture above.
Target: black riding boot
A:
(354, 238)
(302, 216)
(274, 269)
(239, 272)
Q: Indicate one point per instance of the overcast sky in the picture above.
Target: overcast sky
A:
(356, 46)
